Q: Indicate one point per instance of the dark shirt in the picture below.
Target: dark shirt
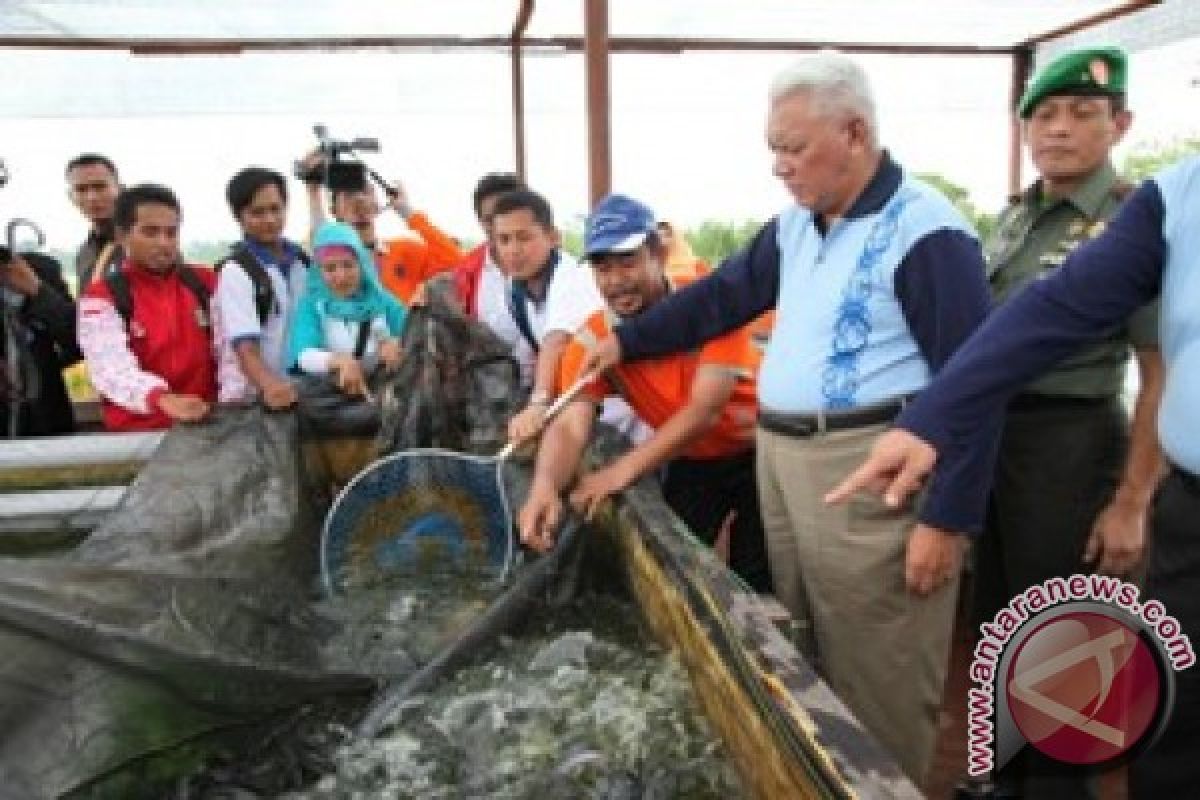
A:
(46, 333)
(1098, 286)
(939, 284)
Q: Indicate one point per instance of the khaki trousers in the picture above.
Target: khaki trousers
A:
(840, 571)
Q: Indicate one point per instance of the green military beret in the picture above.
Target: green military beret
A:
(1098, 70)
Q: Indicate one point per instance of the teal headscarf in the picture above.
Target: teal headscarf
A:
(319, 302)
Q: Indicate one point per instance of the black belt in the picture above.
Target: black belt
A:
(1190, 482)
(805, 425)
(1030, 401)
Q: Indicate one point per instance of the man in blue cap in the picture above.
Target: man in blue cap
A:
(702, 407)
(1073, 483)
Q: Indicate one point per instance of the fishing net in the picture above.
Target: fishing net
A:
(415, 512)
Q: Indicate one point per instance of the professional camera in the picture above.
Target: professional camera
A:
(339, 168)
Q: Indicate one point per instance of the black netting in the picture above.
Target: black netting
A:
(462, 378)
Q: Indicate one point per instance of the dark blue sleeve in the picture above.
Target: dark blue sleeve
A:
(943, 293)
(1099, 285)
(741, 289)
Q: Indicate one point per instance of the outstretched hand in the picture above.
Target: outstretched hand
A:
(278, 394)
(391, 353)
(895, 468)
(596, 487)
(348, 375)
(539, 518)
(605, 356)
(184, 407)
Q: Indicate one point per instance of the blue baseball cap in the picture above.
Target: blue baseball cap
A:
(618, 224)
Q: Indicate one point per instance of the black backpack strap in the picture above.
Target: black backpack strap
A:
(196, 286)
(122, 296)
(517, 299)
(364, 333)
(264, 293)
(518, 295)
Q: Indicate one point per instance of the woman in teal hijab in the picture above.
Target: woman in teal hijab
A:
(346, 322)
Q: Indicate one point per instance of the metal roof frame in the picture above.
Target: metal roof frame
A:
(597, 46)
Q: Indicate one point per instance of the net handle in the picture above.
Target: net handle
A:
(553, 411)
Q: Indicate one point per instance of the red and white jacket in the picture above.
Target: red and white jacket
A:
(467, 278)
(168, 346)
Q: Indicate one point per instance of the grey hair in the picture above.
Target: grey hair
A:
(835, 80)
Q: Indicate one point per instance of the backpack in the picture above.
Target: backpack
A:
(118, 287)
(264, 293)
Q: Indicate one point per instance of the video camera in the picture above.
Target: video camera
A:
(339, 168)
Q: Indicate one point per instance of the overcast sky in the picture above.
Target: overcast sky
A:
(687, 130)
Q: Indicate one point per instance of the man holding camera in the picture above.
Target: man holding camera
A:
(404, 263)
(42, 314)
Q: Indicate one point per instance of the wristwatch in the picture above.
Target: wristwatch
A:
(540, 397)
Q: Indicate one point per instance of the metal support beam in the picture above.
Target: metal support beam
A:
(617, 44)
(1022, 63)
(524, 13)
(438, 43)
(599, 132)
(1123, 10)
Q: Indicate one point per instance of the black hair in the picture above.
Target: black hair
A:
(91, 160)
(144, 194)
(526, 200)
(494, 183)
(246, 183)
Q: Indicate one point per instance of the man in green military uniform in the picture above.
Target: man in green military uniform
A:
(1074, 478)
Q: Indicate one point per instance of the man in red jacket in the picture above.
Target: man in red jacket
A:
(144, 327)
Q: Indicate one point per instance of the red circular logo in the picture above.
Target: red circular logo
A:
(1084, 688)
